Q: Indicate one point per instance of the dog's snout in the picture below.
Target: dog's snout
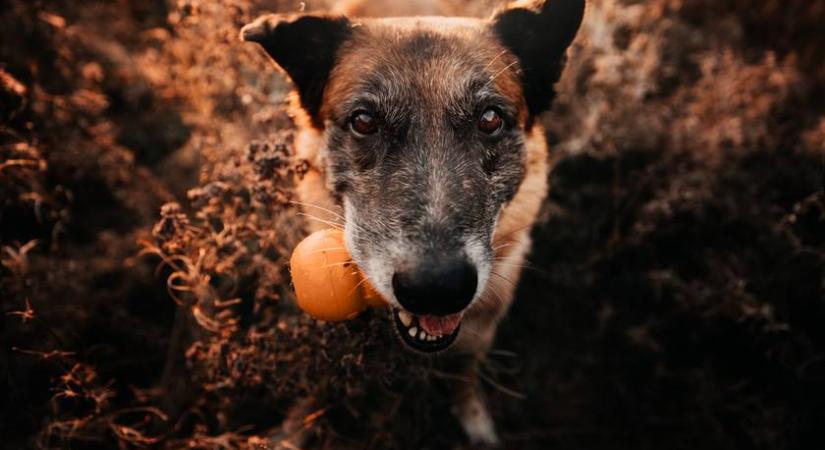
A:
(436, 286)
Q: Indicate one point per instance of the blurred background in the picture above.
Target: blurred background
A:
(676, 295)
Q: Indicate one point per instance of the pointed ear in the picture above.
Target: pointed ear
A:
(305, 48)
(539, 37)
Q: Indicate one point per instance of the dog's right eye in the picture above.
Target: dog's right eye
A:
(490, 122)
(363, 123)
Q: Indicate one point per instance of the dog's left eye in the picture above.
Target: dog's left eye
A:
(490, 122)
(363, 123)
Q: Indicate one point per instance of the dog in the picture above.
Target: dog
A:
(424, 131)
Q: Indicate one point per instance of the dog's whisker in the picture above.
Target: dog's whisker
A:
(500, 72)
(498, 239)
(512, 283)
(338, 225)
(505, 262)
(306, 214)
(508, 237)
(500, 54)
(504, 245)
(338, 264)
(495, 292)
(328, 249)
(469, 329)
(355, 288)
(310, 205)
(532, 268)
(335, 225)
(511, 243)
(500, 387)
(449, 375)
(507, 240)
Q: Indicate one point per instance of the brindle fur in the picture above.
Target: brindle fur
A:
(428, 180)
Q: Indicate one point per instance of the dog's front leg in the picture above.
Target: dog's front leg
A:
(476, 339)
(469, 405)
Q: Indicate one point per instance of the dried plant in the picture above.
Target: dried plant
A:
(674, 298)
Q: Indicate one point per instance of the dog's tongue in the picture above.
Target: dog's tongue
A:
(439, 325)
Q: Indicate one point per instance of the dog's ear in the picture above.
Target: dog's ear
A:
(305, 47)
(538, 36)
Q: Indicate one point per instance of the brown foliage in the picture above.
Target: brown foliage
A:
(146, 168)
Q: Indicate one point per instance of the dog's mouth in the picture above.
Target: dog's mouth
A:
(426, 333)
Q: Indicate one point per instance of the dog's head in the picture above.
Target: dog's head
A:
(424, 123)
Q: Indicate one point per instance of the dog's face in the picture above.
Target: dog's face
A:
(424, 122)
(424, 135)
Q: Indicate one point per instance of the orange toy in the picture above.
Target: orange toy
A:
(328, 284)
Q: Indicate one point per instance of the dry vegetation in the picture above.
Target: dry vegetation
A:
(678, 295)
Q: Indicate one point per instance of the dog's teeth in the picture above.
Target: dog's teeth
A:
(413, 331)
(422, 336)
(430, 338)
(406, 318)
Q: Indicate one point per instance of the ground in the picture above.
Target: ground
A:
(674, 299)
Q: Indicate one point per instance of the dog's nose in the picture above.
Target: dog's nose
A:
(440, 287)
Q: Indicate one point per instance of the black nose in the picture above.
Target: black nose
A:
(438, 287)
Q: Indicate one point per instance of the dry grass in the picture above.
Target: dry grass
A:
(146, 218)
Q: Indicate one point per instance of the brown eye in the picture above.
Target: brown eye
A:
(490, 122)
(363, 123)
